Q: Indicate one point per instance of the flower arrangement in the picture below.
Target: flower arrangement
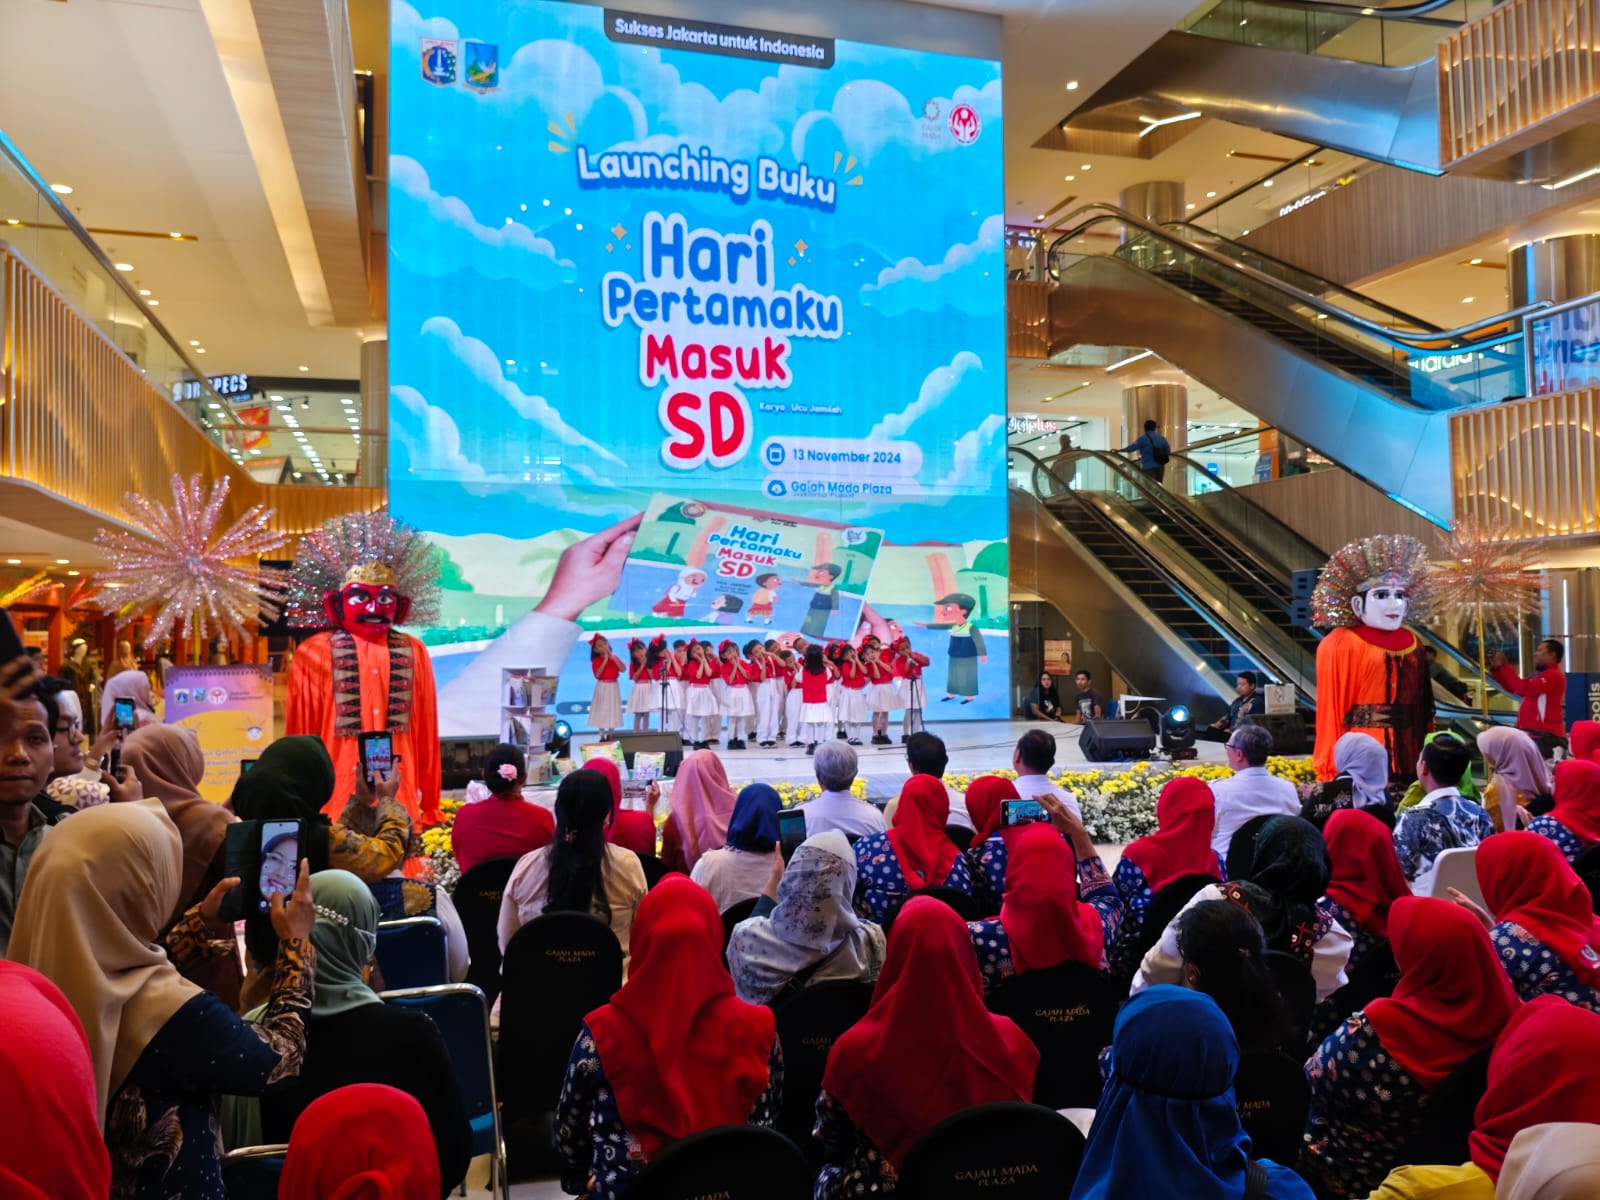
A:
(1118, 805)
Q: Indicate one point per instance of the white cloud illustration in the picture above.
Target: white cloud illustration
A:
(484, 365)
(970, 278)
(456, 238)
(935, 389)
(408, 26)
(429, 435)
(978, 453)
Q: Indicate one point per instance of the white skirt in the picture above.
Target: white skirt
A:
(674, 695)
(700, 702)
(737, 703)
(852, 705)
(605, 707)
(644, 698)
(881, 697)
(816, 714)
(915, 694)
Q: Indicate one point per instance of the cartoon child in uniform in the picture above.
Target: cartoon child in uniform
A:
(824, 577)
(966, 649)
(761, 603)
(725, 609)
(690, 581)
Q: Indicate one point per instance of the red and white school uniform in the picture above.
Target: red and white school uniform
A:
(816, 713)
(605, 706)
(644, 697)
(913, 695)
(881, 696)
(736, 701)
(702, 716)
(769, 698)
(792, 700)
(852, 694)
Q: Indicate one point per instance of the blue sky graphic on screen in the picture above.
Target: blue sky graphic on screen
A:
(750, 293)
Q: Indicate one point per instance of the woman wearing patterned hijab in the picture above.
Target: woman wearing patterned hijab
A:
(812, 933)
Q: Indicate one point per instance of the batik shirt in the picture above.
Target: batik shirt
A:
(161, 1126)
(1365, 1109)
(993, 943)
(1569, 843)
(1537, 970)
(1428, 829)
(593, 1141)
(1122, 955)
(880, 882)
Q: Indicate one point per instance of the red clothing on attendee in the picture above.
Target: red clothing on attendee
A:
(927, 1048)
(1526, 879)
(1453, 998)
(1544, 698)
(1585, 740)
(1367, 878)
(632, 830)
(921, 846)
(681, 1052)
(499, 827)
(984, 795)
(1041, 913)
(1577, 794)
(361, 1142)
(606, 668)
(1541, 1072)
(1186, 813)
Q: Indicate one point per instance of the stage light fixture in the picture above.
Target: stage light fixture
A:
(560, 743)
(1177, 732)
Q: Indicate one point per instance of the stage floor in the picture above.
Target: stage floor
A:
(974, 748)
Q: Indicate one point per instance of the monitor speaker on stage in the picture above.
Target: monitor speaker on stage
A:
(1107, 741)
(669, 744)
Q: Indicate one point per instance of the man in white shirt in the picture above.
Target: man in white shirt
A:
(926, 755)
(835, 765)
(1032, 759)
(1251, 792)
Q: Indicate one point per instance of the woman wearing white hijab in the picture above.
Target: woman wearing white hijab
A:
(812, 931)
(1363, 757)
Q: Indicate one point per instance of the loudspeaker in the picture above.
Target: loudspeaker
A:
(1106, 741)
(669, 744)
(1303, 583)
(1300, 613)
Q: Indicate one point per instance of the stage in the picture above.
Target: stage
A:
(975, 747)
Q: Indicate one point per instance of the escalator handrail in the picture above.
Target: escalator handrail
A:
(1404, 343)
(1425, 328)
(1174, 508)
(1372, 12)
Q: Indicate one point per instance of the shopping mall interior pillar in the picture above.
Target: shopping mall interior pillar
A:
(1156, 200)
(1167, 404)
(375, 412)
(1556, 269)
(1574, 608)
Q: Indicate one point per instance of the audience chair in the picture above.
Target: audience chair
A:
(477, 897)
(1273, 1098)
(1447, 1117)
(1242, 847)
(732, 916)
(1068, 1012)
(1298, 991)
(1587, 866)
(412, 953)
(559, 967)
(1457, 869)
(252, 1172)
(1162, 910)
(730, 1162)
(654, 869)
(809, 1022)
(961, 836)
(1020, 1151)
(462, 1015)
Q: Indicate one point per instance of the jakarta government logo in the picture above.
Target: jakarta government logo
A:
(964, 124)
(439, 61)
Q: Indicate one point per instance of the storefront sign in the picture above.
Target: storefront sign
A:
(1564, 348)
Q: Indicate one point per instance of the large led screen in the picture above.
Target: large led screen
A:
(695, 329)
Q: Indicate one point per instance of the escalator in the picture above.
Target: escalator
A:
(1357, 381)
(1359, 80)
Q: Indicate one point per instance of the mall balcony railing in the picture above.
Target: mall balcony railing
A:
(86, 408)
(1388, 37)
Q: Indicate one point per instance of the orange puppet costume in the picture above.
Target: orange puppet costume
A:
(364, 675)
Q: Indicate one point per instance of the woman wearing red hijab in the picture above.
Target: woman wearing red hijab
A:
(913, 854)
(1584, 739)
(362, 1142)
(1574, 823)
(1545, 931)
(986, 857)
(1366, 880)
(50, 1142)
(1043, 922)
(632, 830)
(1181, 845)
(1452, 1001)
(926, 1049)
(674, 1053)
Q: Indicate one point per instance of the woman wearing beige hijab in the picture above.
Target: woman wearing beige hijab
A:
(1552, 1162)
(99, 891)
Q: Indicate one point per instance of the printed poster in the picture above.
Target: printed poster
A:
(230, 710)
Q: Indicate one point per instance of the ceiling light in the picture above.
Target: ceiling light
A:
(1266, 183)
(1551, 187)
(202, 350)
(176, 236)
(1468, 299)
(61, 562)
(61, 189)
(1151, 123)
(346, 401)
(213, 404)
(1475, 262)
(1243, 232)
(1188, 206)
(305, 368)
(255, 452)
(1087, 167)
(297, 474)
(1072, 85)
(1039, 217)
(192, 342)
(123, 266)
(1246, 21)
(15, 562)
(1320, 317)
(144, 291)
(155, 304)
(74, 572)
(1209, 195)
(567, 211)
(275, 399)
(283, 408)
(1131, 359)
(1367, 12)
(1069, 178)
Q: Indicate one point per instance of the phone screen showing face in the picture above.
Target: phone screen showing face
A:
(791, 832)
(122, 713)
(1021, 812)
(280, 860)
(377, 755)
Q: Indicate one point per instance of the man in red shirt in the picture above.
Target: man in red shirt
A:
(1544, 693)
